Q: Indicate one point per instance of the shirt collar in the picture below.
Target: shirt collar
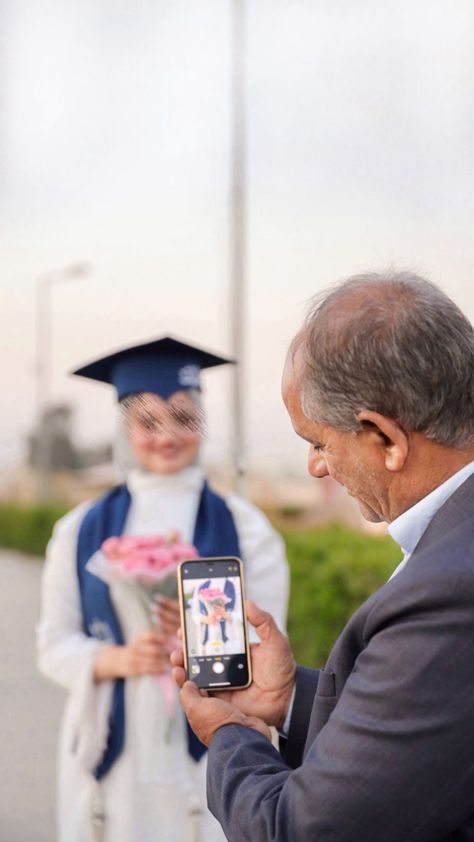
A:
(408, 527)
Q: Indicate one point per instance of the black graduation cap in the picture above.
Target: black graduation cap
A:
(162, 366)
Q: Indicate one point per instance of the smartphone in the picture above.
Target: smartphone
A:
(213, 622)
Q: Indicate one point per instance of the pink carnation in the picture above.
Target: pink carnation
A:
(161, 558)
(183, 552)
(145, 557)
(150, 541)
(111, 548)
(213, 594)
(133, 560)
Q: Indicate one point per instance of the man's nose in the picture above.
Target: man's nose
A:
(317, 466)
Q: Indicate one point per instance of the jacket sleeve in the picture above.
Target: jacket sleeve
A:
(265, 565)
(65, 653)
(394, 761)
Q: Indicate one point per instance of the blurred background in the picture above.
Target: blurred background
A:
(202, 169)
(118, 165)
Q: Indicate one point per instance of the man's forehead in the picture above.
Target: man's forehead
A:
(293, 367)
(291, 392)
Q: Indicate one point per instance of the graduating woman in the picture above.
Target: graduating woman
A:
(219, 623)
(129, 767)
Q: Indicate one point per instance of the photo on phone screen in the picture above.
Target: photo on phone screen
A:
(213, 613)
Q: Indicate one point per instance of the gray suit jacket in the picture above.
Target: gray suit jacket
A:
(381, 742)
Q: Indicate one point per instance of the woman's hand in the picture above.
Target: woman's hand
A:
(208, 619)
(167, 613)
(146, 654)
(221, 614)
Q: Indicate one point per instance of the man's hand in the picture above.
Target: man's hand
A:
(273, 669)
(206, 714)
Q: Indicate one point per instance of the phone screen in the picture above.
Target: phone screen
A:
(214, 625)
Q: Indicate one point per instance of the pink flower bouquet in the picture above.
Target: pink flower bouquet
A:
(138, 568)
(149, 561)
(214, 597)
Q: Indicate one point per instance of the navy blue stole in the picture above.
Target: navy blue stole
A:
(214, 535)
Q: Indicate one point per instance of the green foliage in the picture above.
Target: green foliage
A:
(27, 528)
(333, 570)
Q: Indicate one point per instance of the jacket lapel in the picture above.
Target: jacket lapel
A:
(457, 509)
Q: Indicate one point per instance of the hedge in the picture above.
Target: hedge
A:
(26, 527)
(333, 569)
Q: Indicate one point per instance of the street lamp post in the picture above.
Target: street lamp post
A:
(238, 237)
(43, 368)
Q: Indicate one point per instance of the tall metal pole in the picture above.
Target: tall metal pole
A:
(43, 371)
(238, 238)
(43, 368)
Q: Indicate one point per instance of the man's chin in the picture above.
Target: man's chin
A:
(369, 514)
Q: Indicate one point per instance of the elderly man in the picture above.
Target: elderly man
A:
(379, 743)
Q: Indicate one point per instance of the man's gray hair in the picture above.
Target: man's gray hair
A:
(393, 343)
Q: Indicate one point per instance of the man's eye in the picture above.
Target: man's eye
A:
(317, 447)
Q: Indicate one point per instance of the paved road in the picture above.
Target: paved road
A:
(30, 709)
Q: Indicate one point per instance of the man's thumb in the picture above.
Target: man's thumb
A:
(262, 621)
(189, 693)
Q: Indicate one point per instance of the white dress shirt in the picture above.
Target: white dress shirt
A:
(408, 528)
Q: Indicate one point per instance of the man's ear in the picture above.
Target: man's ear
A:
(395, 439)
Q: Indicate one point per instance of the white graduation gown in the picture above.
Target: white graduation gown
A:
(147, 795)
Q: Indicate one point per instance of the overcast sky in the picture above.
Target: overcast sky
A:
(115, 149)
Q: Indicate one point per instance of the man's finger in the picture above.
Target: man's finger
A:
(262, 621)
(179, 675)
(189, 695)
(177, 658)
